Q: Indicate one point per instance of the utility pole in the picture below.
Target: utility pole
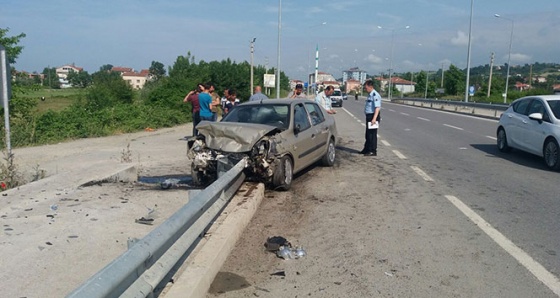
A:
(490, 79)
(531, 75)
(442, 72)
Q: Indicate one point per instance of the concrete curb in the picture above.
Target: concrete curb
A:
(201, 267)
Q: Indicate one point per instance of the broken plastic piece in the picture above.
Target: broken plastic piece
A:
(145, 221)
(274, 243)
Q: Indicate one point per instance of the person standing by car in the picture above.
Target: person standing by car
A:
(298, 92)
(323, 99)
(232, 101)
(371, 109)
(205, 101)
(192, 97)
(257, 95)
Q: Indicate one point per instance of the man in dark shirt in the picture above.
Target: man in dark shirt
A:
(192, 97)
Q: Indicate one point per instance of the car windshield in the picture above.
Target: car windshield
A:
(555, 107)
(336, 93)
(269, 114)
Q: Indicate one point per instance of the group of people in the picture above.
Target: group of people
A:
(205, 104)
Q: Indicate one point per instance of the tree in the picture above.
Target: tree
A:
(51, 79)
(10, 43)
(454, 80)
(157, 70)
(80, 79)
(108, 89)
(106, 67)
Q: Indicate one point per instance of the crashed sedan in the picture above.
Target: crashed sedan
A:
(277, 137)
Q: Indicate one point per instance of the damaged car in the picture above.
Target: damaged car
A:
(277, 137)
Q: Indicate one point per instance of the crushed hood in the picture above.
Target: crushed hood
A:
(233, 136)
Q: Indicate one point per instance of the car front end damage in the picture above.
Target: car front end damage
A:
(221, 145)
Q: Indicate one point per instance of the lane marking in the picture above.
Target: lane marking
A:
(385, 143)
(421, 173)
(391, 110)
(399, 155)
(451, 126)
(405, 114)
(423, 119)
(547, 278)
(492, 138)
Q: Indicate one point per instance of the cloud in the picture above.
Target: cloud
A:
(518, 57)
(461, 39)
(373, 59)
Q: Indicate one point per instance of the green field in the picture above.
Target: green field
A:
(54, 99)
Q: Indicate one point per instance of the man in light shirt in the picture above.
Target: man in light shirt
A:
(323, 99)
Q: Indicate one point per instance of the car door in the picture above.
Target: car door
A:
(321, 129)
(304, 138)
(515, 120)
(533, 132)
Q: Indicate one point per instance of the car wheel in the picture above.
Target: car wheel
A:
(329, 157)
(283, 174)
(502, 141)
(550, 154)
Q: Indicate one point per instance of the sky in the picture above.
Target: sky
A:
(415, 35)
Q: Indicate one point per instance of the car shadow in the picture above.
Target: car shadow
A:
(515, 156)
(348, 150)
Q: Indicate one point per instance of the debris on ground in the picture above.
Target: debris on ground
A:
(283, 248)
(145, 221)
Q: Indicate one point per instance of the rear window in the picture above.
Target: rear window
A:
(521, 106)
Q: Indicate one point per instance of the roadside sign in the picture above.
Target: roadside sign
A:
(269, 80)
(471, 91)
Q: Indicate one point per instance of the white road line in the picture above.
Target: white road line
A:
(492, 138)
(391, 110)
(385, 143)
(547, 278)
(455, 127)
(399, 155)
(405, 114)
(421, 173)
(348, 112)
(423, 119)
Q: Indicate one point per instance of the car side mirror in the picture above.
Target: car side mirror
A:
(536, 116)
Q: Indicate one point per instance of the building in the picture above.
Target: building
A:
(352, 85)
(354, 73)
(136, 79)
(62, 74)
(402, 85)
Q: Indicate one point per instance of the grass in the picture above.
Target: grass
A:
(55, 99)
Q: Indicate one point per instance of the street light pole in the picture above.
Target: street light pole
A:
(278, 58)
(252, 51)
(509, 55)
(469, 55)
(390, 93)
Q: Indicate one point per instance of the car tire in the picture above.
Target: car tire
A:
(283, 174)
(330, 155)
(502, 140)
(551, 154)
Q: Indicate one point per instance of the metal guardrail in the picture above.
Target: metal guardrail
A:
(458, 106)
(138, 271)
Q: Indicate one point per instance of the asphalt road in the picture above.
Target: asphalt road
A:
(513, 192)
(438, 213)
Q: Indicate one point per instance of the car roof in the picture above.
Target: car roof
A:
(543, 97)
(278, 101)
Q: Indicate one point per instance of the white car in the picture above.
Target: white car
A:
(532, 124)
(336, 98)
